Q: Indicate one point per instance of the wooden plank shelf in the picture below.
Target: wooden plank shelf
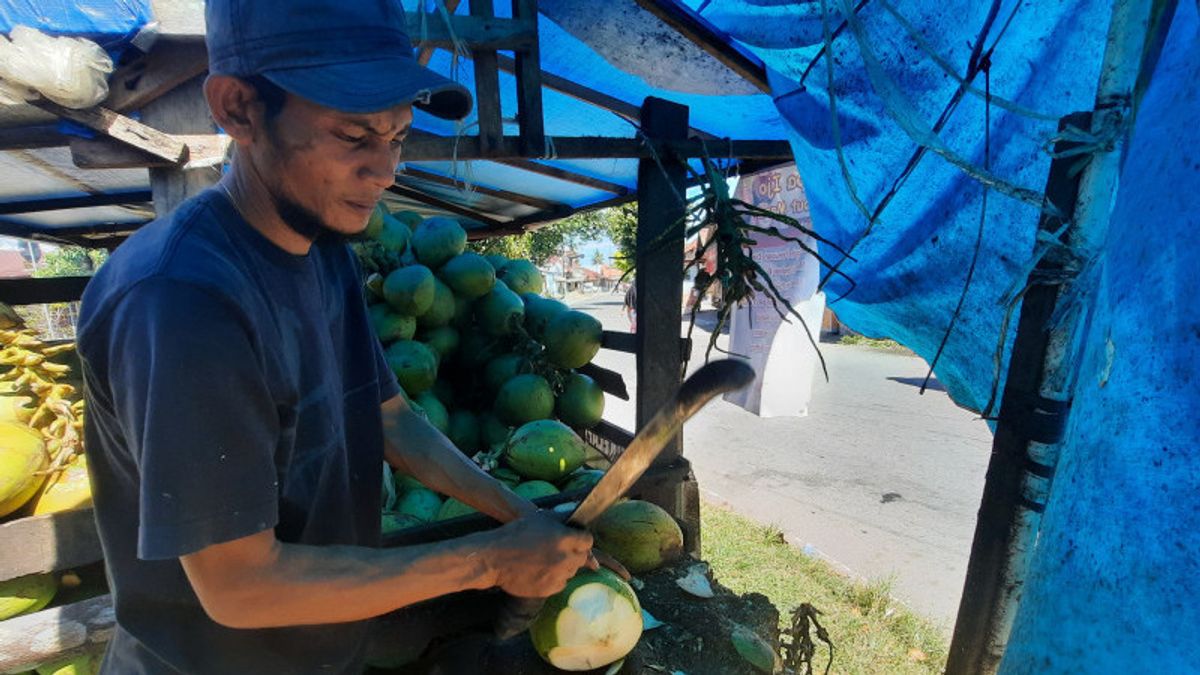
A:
(48, 543)
(52, 634)
(42, 291)
(610, 382)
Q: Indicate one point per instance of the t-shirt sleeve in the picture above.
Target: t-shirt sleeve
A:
(191, 394)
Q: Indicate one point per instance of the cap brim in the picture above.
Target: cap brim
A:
(371, 86)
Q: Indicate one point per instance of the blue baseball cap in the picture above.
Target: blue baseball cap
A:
(349, 55)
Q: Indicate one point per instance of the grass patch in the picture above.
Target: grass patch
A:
(871, 633)
(886, 345)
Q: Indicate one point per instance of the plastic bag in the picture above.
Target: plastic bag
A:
(72, 72)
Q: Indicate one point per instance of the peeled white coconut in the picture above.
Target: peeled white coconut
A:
(596, 620)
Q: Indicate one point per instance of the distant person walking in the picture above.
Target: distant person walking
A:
(631, 306)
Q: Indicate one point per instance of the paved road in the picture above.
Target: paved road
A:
(879, 480)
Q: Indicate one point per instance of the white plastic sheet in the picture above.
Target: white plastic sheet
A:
(71, 72)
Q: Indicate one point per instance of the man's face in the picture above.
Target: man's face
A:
(326, 169)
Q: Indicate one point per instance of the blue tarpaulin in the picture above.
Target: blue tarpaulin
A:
(110, 23)
(1114, 569)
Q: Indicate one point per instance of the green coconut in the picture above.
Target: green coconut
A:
(414, 364)
(491, 430)
(507, 476)
(504, 368)
(410, 290)
(393, 234)
(435, 411)
(411, 219)
(469, 274)
(27, 594)
(572, 338)
(443, 340)
(438, 239)
(581, 403)
(594, 621)
(500, 311)
(390, 325)
(533, 489)
(441, 309)
(582, 479)
(374, 222)
(521, 276)
(452, 508)
(419, 503)
(640, 535)
(524, 398)
(538, 313)
(545, 450)
(405, 482)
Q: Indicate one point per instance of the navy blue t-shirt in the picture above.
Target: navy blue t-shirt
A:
(231, 387)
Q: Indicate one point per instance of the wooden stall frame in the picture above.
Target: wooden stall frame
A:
(176, 140)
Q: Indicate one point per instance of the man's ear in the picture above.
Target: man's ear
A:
(235, 106)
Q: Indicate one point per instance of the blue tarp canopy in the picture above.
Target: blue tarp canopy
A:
(923, 131)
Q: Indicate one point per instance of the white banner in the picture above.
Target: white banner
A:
(779, 351)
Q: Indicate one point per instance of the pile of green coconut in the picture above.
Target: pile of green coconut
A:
(493, 364)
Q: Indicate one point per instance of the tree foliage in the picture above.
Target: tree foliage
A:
(621, 227)
(539, 245)
(71, 261)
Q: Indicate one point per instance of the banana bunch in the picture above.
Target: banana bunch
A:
(57, 407)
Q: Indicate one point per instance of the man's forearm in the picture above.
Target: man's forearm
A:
(304, 585)
(420, 450)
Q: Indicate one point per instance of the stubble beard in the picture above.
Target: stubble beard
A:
(297, 217)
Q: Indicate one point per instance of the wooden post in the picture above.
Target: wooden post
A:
(529, 86)
(662, 184)
(182, 111)
(487, 87)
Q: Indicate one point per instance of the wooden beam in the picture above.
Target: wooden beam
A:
(561, 84)
(183, 110)
(32, 138)
(60, 203)
(426, 147)
(124, 129)
(567, 176)
(507, 196)
(426, 53)
(487, 87)
(55, 541)
(167, 66)
(66, 233)
(105, 153)
(529, 86)
(693, 27)
(588, 95)
(444, 205)
(29, 641)
(472, 31)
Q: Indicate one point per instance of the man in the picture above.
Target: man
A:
(239, 407)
